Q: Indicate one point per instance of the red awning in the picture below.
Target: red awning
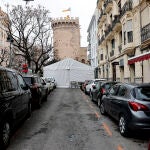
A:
(141, 57)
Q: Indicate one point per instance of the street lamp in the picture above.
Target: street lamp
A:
(28, 1)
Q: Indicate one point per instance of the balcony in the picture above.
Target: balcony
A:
(101, 40)
(112, 53)
(145, 33)
(109, 31)
(120, 48)
(108, 5)
(127, 7)
(99, 4)
(102, 17)
(116, 24)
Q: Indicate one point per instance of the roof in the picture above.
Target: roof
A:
(68, 64)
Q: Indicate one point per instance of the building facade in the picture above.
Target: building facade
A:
(4, 44)
(92, 40)
(124, 40)
(66, 39)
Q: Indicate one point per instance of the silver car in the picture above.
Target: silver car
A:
(130, 105)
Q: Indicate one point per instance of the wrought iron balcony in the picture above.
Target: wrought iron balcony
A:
(116, 20)
(108, 30)
(145, 33)
(101, 40)
(108, 4)
(127, 7)
(120, 48)
(102, 16)
(112, 53)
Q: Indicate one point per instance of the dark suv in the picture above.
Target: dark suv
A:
(38, 89)
(15, 103)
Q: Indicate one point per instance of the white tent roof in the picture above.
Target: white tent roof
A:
(68, 70)
(68, 64)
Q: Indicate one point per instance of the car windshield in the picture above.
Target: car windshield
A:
(28, 80)
(142, 93)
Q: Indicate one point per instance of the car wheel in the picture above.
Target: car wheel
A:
(102, 108)
(5, 131)
(124, 131)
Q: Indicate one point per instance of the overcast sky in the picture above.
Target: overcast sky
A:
(83, 9)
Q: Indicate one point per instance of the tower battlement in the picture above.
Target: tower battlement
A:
(65, 20)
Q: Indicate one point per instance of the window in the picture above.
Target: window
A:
(114, 89)
(122, 91)
(129, 30)
(113, 43)
(130, 36)
(21, 81)
(142, 93)
(8, 81)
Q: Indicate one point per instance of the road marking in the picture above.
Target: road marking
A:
(119, 147)
(97, 115)
(91, 106)
(107, 129)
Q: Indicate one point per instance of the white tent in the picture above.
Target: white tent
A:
(68, 70)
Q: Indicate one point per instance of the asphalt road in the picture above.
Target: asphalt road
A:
(70, 121)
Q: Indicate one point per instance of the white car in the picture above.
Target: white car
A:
(89, 86)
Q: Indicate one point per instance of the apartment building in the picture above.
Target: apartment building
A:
(4, 45)
(124, 40)
(92, 40)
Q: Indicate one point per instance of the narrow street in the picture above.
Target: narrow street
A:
(70, 121)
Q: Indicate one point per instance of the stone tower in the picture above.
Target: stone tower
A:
(66, 38)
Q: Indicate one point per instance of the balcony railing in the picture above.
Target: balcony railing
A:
(112, 53)
(108, 30)
(127, 7)
(145, 33)
(107, 2)
(120, 48)
(116, 20)
(100, 17)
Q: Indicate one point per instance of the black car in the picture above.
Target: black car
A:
(38, 89)
(130, 105)
(15, 103)
(100, 89)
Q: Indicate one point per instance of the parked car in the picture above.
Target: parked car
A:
(130, 105)
(15, 103)
(49, 84)
(53, 81)
(100, 88)
(91, 83)
(38, 90)
(85, 83)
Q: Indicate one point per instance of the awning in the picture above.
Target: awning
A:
(141, 57)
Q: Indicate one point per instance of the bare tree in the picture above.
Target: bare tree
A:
(30, 30)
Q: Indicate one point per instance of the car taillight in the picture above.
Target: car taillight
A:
(103, 91)
(137, 106)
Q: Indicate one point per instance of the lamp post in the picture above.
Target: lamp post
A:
(28, 1)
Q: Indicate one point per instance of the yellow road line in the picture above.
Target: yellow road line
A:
(97, 115)
(119, 147)
(107, 129)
